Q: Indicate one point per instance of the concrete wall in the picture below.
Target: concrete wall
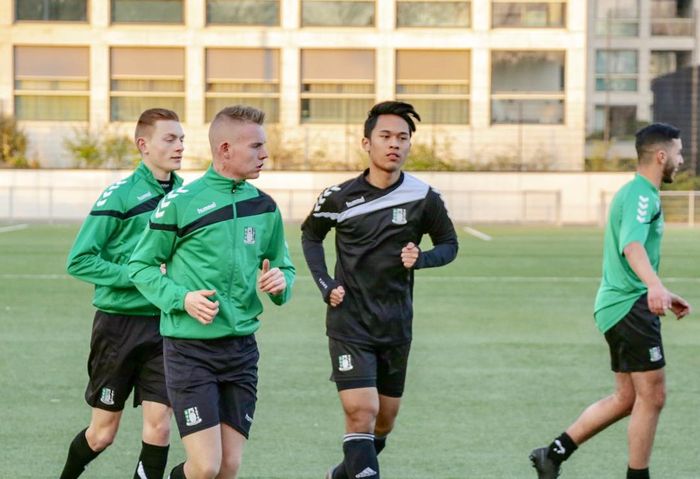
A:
(474, 197)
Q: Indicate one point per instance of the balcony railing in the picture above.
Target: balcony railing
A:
(673, 27)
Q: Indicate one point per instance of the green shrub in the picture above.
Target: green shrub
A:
(13, 144)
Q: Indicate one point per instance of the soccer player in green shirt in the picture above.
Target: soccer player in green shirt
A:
(629, 302)
(126, 348)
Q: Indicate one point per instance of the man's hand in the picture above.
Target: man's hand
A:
(658, 299)
(336, 296)
(271, 281)
(200, 307)
(409, 255)
(680, 307)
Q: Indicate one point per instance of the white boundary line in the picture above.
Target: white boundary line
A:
(7, 229)
(477, 234)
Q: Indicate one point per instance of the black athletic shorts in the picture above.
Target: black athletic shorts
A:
(361, 366)
(126, 352)
(635, 342)
(212, 381)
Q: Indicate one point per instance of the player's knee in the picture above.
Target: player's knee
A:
(101, 439)
(230, 466)
(656, 397)
(626, 400)
(363, 417)
(156, 432)
(202, 470)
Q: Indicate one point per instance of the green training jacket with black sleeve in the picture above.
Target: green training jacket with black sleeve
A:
(107, 238)
(212, 234)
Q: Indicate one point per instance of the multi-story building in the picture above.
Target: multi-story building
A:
(630, 43)
(496, 81)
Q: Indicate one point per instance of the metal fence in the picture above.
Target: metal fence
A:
(63, 203)
(680, 207)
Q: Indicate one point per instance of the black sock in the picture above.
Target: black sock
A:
(637, 473)
(152, 462)
(562, 447)
(178, 472)
(379, 443)
(79, 455)
(360, 457)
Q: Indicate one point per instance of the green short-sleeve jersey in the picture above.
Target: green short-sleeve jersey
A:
(635, 216)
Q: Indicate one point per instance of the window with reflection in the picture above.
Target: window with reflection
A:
(436, 83)
(620, 120)
(147, 11)
(51, 10)
(616, 70)
(52, 83)
(433, 14)
(337, 86)
(618, 18)
(143, 78)
(340, 13)
(662, 62)
(528, 14)
(243, 12)
(243, 76)
(527, 87)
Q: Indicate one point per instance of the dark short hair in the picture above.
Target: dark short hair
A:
(398, 108)
(654, 134)
(149, 117)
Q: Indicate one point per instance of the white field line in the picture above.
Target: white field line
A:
(465, 279)
(477, 234)
(7, 229)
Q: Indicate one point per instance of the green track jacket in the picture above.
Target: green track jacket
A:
(212, 234)
(107, 238)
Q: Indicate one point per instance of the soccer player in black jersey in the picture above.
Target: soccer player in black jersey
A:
(379, 218)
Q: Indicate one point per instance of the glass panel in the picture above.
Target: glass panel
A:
(432, 65)
(434, 111)
(432, 14)
(147, 11)
(616, 84)
(673, 27)
(269, 105)
(622, 120)
(154, 62)
(243, 12)
(52, 108)
(616, 61)
(530, 15)
(617, 28)
(432, 89)
(148, 85)
(58, 85)
(332, 110)
(222, 87)
(662, 62)
(527, 71)
(337, 13)
(129, 108)
(337, 65)
(338, 88)
(617, 9)
(243, 64)
(548, 112)
(52, 62)
(51, 10)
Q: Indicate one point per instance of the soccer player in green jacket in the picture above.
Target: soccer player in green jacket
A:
(213, 236)
(630, 300)
(126, 349)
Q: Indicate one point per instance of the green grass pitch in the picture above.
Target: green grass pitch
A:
(505, 356)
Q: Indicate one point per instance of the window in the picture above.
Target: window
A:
(52, 83)
(527, 87)
(243, 12)
(249, 77)
(147, 11)
(51, 10)
(616, 70)
(347, 13)
(621, 121)
(617, 18)
(663, 62)
(143, 78)
(436, 83)
(337, 86)
(435, 13)
(529, 14)
(672, 18)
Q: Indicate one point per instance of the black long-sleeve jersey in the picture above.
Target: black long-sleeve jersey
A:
(372, 226)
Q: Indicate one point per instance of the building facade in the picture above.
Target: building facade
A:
(496, 81)
(630, 43)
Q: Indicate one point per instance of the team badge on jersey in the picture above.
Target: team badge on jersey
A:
(345, 362)
(398, 216)
(107, 396)
(249, 235)
(192, 416)
(655, 354)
